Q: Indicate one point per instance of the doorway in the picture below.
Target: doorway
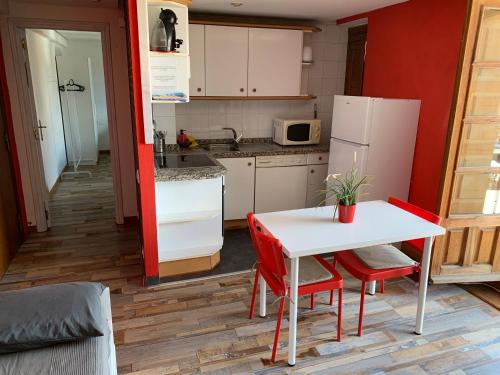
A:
(355, 67)
(65, 69)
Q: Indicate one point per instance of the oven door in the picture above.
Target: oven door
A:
(298, 133)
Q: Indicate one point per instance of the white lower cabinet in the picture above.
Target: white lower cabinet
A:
(280, 188)
(316, 175)
(273, 183)
(239, 183)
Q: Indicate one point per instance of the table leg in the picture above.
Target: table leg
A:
(372, 287)
(422, 290)
(294, 299)
(262, 297)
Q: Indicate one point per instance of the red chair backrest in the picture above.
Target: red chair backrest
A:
(269, 254)
(417, 244)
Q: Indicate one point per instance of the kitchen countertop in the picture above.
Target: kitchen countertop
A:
(247, 148)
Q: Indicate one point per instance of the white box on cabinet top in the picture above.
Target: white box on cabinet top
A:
(274, 62)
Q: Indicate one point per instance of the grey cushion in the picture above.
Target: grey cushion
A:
(310, 271)
(383, 256)
(46, 315)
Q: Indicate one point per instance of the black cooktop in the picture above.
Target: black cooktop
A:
(183, 161)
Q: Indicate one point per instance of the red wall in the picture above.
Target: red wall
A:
(145, 160)
(412, 52)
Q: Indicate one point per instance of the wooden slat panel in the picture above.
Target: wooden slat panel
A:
(456, 246)
(471, 246)
(486, 246)
(473, 269)
(496, 256)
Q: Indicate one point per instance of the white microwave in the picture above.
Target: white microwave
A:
(296, 132)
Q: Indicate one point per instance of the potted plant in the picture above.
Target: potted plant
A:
(345, 189)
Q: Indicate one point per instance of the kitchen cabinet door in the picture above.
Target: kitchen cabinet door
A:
(226, 60)
(274, 62)
(239, 184)
(280, 188)
(316, 175)
(197, 60)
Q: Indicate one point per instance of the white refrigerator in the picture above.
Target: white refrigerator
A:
(376, 136)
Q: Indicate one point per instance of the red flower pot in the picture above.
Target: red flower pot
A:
(346, 213)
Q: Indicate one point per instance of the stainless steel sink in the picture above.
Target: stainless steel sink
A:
(221, 147)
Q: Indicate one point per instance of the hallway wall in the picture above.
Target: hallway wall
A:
(41, 51)
(81, 46)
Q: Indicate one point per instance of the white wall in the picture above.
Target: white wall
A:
(325, 78)
(96, 17)
(73, 64)
(41, 51)
(81, 49)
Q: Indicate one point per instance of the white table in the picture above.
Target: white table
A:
(311, 231)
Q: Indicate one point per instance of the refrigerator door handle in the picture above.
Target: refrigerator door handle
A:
(351, 143)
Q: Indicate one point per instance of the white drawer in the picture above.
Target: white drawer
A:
(280, 160)
(318, 158)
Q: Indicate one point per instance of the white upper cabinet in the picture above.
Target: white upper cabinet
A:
(197, 53)
(275, 62)
(226, 60)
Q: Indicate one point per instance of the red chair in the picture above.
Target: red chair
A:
(317, 274)
(354, 264)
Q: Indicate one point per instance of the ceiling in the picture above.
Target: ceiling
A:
(329, 10)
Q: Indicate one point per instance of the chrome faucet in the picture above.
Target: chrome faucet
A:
(236, 137)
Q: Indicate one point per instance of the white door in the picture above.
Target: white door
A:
(345, 156)
(226, 60)
(280, 188)
(274, 62)
(197, 60)
(316, 175)
(239, 183)
(351, 119)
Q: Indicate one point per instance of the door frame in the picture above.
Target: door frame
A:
(27, 110)
(467, 271)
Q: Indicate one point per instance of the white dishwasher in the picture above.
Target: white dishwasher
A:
(280, 182)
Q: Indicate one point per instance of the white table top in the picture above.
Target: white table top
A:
(312, 231)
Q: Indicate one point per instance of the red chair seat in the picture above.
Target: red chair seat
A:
(355, 266)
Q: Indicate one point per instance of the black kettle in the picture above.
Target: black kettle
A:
(163, 37)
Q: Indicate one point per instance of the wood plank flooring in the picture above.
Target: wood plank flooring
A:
(202, 326)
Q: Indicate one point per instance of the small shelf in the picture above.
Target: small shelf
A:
(307, 63)
(168, 255)
(184, 217)
(299, 97)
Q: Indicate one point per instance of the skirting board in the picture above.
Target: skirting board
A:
(235, 224)
(186, 266)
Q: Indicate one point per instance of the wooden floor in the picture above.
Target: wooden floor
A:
(203, 327)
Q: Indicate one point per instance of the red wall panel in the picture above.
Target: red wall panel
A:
(413, 52)
(145, 160)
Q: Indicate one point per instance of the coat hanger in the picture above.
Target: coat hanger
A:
(71, 86)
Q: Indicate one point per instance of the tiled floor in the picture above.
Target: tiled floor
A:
(202, 326)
